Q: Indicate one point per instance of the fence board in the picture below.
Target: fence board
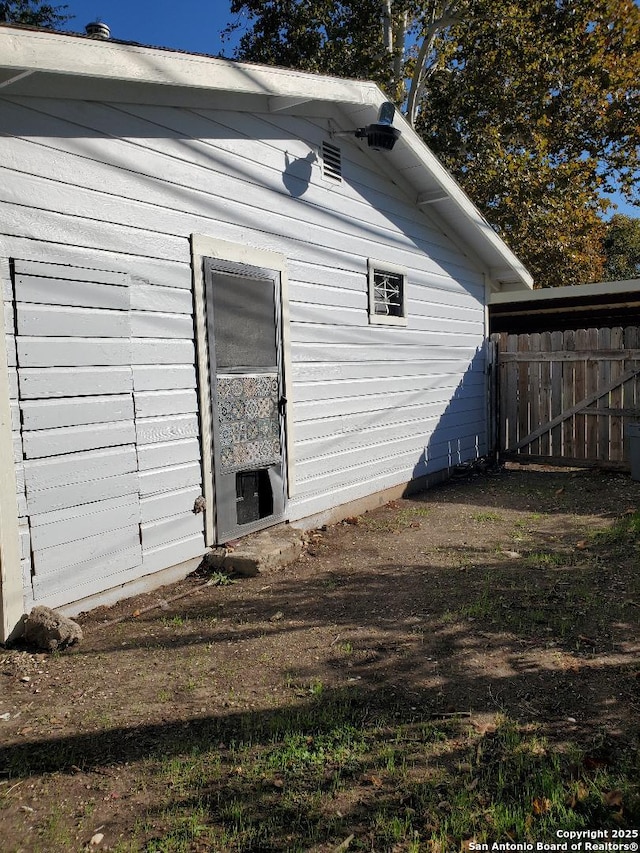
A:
(615, 397)
(592, 450)
(604, 374)
(534, 389)
(579, 387)
(568, 395)
(545, 393)
(511, 399)
(524, 395)
(556, 395)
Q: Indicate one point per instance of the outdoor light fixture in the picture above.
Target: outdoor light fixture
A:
(381, 136)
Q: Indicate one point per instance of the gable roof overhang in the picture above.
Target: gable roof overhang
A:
(40, 63)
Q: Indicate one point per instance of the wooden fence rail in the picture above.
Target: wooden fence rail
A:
(566, 397)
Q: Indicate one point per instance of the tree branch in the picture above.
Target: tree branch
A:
(420, 76)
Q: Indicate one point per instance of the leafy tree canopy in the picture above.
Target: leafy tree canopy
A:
(534, 106)
(622, 248)
(34, 13)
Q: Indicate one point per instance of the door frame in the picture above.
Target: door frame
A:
(203, 246)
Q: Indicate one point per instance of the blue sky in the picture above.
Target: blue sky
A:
(192, 25)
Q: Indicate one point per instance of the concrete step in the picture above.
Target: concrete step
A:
(258, 553)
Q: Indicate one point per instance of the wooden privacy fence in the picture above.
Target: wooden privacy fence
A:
(566, 397)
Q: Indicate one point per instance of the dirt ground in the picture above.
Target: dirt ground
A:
(487, 594)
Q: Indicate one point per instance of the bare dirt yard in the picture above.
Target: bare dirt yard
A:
(460, 666)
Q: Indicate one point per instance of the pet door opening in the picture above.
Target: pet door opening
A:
(254, 496)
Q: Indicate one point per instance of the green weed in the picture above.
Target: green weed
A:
(548, 559)
(483, 517)
(623, 535)
(220, 579)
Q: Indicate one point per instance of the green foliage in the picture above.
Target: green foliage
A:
(622, 248)
(33, 13)
(535, 117)
(533, 107)
(313, 35)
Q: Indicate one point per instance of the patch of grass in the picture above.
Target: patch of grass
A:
(189, 772)
(483, 517)
(348, 763)
(400, 520)
(548, 559)
(484, 607)
(562, 611)
(298, 753)
(176, 621)
(516, 786)
(55, 833)
(622, 536)
(521, 526)
(315, 687)
(188, 825)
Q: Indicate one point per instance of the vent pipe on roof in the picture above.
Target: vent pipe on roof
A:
(98, 30)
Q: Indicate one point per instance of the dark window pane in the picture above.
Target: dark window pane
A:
(388, 296)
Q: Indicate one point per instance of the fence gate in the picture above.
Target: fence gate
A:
(565, 397)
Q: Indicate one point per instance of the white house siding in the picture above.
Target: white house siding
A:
(78, 492)
(121, 188)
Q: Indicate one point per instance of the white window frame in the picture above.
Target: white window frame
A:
(386, 319)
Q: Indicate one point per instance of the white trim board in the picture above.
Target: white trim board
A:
(11, 585)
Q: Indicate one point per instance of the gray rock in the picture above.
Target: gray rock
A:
(49, 630)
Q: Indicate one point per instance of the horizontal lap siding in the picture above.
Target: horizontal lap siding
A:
(164, 382)
(165, 396)
(68, 350)
(77, 452)
(158, 174)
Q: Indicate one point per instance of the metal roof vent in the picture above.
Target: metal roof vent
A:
(98, 30)
(331, 162)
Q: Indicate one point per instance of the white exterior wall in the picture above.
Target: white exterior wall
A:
(121, 188)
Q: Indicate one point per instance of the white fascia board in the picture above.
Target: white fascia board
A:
(78, 56)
